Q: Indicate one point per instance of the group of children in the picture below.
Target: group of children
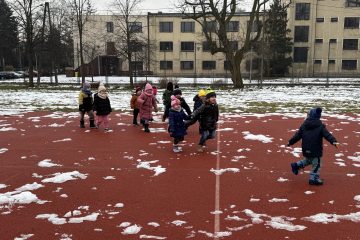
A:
(206, 112)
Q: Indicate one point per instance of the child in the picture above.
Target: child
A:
(102, 107)
(208, 115)
(86, 105)
(178, 93)
(155, 91)
(146, 104)
(167, 99)
(312, 131)
(134, 104)
(177, 128)
(199, 99)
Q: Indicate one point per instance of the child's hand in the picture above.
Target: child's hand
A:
(336, 144)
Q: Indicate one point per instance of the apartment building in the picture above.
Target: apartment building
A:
(326, 37)
(172, 46)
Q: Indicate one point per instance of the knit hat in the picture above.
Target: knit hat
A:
(148, 87)
(315, 113)
(210, 93)
(86, 85)
(202, 93)
(175, 102)
(177, 91)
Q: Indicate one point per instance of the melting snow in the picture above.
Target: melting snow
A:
(64, 177)
(221, 171)
(63, 140)
(178, 222)
(259, 137)
(2, 150)
(146, 165)
(47, 163)
(135, 229)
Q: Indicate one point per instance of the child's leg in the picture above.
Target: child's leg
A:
(211, 134)
(91, 118)
(315, 171)
(136, 113)
(204, 137)
(145, 122)
(82, 123)
(295, 166)
(99, 120)
(106, 122)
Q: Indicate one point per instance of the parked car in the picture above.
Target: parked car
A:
(8, 75)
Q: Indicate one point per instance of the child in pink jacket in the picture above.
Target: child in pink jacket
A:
(147, 103)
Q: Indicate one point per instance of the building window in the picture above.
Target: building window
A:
(317, 61)
(166, 65)
(331, 61)
(351, 22)
(135, 27)
(350, 44)
(302, 11)
(333, 40)
(334, 19)
(254, 26)
(135, 46)
(208, 65)
(352, 3)
(186, 65)
(166, 46)
(320, 20)
(110, 27)
(300, 54)
(349, 64)
(187, 46)
(137, 65)
(319, 40)
(210, 26)
(166, 26)
(234, 45)
(232, 26)
(301, 34)
(187, 27)
(206, 46)
(110, 48)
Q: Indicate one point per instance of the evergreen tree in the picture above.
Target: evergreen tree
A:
(8, 33)
(280, 44)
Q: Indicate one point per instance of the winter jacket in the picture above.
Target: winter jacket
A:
(167, 97)
(176, 123)
(312, 132)
(185, 106)
(133, 102)
(101, 106)
(197, 102)
(207, 114)
(85, 102)
(146, 104)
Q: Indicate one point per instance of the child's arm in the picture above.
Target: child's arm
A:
(195, 116)
(185, 106)
(297, 136)
(81, 102)
(329, 137)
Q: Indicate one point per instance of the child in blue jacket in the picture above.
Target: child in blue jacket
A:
(177, 127)
(312, 132)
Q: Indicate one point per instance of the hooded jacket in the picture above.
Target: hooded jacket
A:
(312, 132)
(146, 102)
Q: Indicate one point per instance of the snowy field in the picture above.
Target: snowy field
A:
(269, 99)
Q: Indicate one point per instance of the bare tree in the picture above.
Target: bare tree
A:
(214, 18)
(81, 9)
(28, 13)
(130, 40)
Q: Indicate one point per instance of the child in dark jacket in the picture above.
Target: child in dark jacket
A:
(199, 99)
(177, 127)
(134, 104)
(86, 105)
(167, 100)
(312, 132)
(208, 115)
(102, 107)
(178, 93)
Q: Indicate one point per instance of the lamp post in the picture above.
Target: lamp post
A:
(327, 72)
(197, 48)
(251, 60)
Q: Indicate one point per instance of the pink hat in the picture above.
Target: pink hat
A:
(175, 102)
(148, 87)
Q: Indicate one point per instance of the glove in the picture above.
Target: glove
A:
(81, 108)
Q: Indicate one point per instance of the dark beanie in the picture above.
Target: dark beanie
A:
(210, 94)
(177, 91)
(315, 113)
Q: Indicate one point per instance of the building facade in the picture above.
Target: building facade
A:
(326, 37)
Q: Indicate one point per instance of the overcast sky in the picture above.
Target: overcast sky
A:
(146, 5)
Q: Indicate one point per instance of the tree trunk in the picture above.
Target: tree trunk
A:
(236, 75)
(130, 71)
(31, 66)
(81, 58)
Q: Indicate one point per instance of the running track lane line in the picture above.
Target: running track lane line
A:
(217, 188)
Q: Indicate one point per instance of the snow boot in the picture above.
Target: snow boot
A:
(295, 168)
(176, 149)
(92, 124)
(146, 126)
(317, 182)
(82, 124)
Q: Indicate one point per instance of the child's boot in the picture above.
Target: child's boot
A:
(295, 168)
(176, 149)
(82, 124)
(317, 182)
(200, 148)
(146, 126)
(92, 124)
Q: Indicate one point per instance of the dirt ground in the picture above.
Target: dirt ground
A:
(137, 188)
